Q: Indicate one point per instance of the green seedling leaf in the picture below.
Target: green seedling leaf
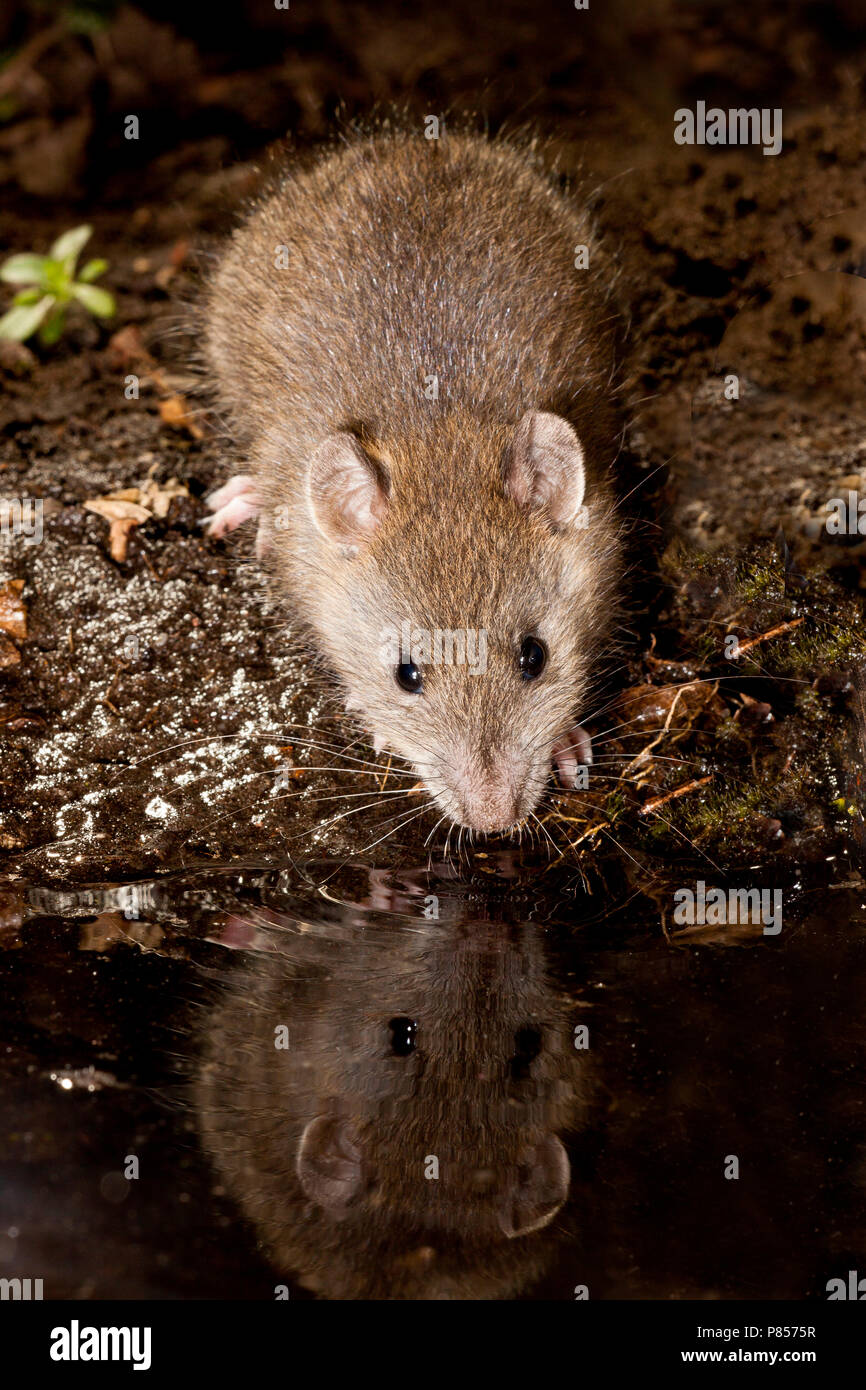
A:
(52, 327)
(23, 320)
(57, 278)
(98, 301)
(67, 248)
(50, 285)
(92, 271)
(26, 269)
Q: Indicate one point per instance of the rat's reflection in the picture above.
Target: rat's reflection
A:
(406, 1142)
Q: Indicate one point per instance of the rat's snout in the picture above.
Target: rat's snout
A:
(488, 801)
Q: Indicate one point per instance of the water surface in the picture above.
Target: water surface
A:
(353, 1084)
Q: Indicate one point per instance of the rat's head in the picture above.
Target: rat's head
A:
(463, 586)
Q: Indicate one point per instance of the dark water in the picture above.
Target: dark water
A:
(435, 1126)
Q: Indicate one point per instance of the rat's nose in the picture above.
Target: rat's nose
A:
(488, 803)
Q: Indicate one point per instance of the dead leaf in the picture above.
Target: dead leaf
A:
(175, 412)
(122, 514)
(13, 614)
(650, 706)
(9, 653)
(109, 928)
(118, 537)
(130, 506)
(127, 348)
(116, 507)
(725, 934)
(158, 496)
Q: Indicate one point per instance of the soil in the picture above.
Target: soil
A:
(157, 712)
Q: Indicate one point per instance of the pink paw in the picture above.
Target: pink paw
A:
(572, 751)
(232, 504)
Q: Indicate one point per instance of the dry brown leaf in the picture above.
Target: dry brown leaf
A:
(9, 653)
(175, 412)
(127, 347)
(109, 928)
(122, 516)
(724, 934)
(157, 496)
(118, 537)
(130, 506)
(115, 508)
(124, 494)
(13, 614)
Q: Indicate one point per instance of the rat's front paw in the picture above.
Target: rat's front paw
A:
(232, 504)
(571, 752)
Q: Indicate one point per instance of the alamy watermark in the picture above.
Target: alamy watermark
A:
(21, 516)
(77, 1343)
(737, 126)
(846, 516)
(435, 647)
(854, 1288)
(21, 1290)
(703, 906)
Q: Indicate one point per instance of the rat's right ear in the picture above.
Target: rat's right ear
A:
(347, 492)
(330, 1164)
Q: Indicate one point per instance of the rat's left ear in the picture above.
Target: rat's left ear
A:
(544, 466)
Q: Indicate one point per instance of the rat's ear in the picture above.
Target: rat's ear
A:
(542, 1186)
(347, 492)
(330, 1164)
(544, 466)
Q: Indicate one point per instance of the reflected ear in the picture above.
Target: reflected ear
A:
(539, 1192)
(330, 1164)
(347, 492)
(544, 466)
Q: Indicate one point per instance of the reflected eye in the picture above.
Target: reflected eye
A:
(527, 1046)
(533, 658)
(403, 1031)
(409, 677)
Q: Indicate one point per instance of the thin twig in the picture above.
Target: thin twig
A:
(658, 801)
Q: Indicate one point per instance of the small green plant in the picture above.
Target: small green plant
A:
(50, 287)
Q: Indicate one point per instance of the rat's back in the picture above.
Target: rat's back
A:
(401, 279)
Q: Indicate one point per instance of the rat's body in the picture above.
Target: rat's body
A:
(400, 335)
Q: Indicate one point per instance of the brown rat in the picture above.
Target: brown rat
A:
(421, 377)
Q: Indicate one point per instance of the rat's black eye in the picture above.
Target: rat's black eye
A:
(403, 1032)
(409, 678)
(533, 657)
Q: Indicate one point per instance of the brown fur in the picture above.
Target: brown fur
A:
(410, 258)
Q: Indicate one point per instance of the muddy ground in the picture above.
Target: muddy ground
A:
(156, 710)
